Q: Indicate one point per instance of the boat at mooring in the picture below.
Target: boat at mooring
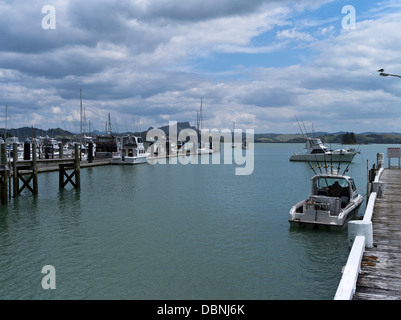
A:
(130, 150)
(317, 151)
(333, 201)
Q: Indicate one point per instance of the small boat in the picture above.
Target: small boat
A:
(130, 150)
(204, 150)
(333, 201)
(317, 151)
(10, 141)
(202, 146)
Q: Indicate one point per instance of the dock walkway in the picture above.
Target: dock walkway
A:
(380, 274)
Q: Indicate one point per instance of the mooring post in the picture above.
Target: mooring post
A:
(35, 169)
(90, 152)
(4, 175)
(15, 170)
(61, 176)
(77, 167)
(60, 152)
(27, 150)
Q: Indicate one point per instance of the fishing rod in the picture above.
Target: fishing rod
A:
(346, 169)
(306, 130)
(300, 128)
(314, 171)
(318, 165)
(325, 163)
(331, 162)
(339, 162)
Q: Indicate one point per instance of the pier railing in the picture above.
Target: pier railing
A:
(360, 236)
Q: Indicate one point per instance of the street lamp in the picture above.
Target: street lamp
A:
(383, 74)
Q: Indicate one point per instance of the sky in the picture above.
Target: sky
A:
(258, 64)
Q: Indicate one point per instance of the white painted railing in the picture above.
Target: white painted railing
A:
(360, 236)
(347, 286)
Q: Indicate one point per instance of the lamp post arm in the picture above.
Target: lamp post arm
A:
(388, 74)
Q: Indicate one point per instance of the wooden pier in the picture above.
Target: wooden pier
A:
(380, 274)
(12, 173)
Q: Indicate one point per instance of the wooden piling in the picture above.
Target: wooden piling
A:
(75, 166)
(3, 174)
(15, 170)
(35, 169)
(30, 169)
(60, 152)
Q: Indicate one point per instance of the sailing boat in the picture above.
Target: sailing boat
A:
(106, 144)
(233, 144)
(202, 149)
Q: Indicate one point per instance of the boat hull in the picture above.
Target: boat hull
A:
(320, 218)
(323, 158)
(128, 160)
(204, 151)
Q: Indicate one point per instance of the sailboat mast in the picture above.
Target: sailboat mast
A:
(200, 116)
(109, 124)
(80, 95)
(5, 125)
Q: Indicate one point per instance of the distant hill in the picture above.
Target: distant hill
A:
(361, 138)
(26, 132)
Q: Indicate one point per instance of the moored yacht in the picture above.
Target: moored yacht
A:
(130, 150)
(317, 151)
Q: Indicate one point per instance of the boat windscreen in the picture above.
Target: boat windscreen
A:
(329, 181)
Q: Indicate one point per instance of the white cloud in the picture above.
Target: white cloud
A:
(134, 59)
(294, 34)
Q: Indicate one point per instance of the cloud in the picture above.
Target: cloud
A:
(294, 34)
(139, 60)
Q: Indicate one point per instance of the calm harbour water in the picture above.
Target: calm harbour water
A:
(175, 232)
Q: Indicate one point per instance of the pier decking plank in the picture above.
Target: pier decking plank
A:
(380, 276)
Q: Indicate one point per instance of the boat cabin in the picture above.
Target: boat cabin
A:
(334, 186)
(130, 146)
(315, 146)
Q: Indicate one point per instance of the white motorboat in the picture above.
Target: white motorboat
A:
(130, 150)
(204, 150)
(10, 141)
(333, 201)
(317, 151)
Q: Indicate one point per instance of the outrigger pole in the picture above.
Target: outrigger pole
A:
(309, 163)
